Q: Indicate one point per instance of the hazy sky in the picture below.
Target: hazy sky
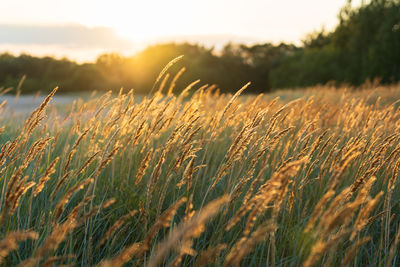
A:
(141, 22)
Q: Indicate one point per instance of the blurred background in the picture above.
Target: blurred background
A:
(85, 45)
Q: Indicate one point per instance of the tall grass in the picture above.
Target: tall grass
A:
(204, 179)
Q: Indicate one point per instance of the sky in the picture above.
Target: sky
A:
(82, 29)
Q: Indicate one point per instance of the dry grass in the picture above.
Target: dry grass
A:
(206, 179)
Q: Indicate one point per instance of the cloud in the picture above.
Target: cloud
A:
(68, 36)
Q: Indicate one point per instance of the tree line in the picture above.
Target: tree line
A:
(365, 45)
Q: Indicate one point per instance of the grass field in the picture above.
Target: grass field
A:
(204, 178)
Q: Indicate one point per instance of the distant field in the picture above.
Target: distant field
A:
(25, 104)
(294, 178)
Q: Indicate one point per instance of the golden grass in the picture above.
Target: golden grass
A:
(217, 179)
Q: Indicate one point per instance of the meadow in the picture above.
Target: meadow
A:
(295, 178)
